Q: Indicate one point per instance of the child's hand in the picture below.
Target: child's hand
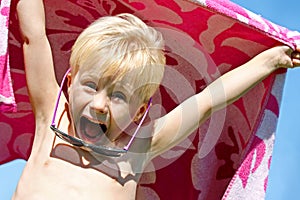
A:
(287, 58)
(295, 55)
(280, 57)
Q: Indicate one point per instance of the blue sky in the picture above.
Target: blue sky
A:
(284, 179)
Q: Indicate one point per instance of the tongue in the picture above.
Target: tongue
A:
(92, 130)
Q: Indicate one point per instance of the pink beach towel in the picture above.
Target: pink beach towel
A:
(227, 157)
(7, 100)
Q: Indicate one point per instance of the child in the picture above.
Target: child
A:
(116, 66)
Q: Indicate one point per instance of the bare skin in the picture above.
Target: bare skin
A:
(57, 170)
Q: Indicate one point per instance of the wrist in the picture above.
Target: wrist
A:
(275, 58)
(265, 62)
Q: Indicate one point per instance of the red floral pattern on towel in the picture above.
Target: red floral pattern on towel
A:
(204, 39)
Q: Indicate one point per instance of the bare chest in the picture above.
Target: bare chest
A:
(57, 179)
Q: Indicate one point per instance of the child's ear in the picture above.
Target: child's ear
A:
(140, 112)
(69, 80)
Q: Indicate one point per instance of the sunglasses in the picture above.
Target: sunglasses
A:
(99, 149)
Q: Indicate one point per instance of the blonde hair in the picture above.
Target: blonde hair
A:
(122, 44)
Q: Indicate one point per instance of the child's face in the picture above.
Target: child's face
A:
(101, 110)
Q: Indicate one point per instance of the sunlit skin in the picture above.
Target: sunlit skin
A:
(97, 100)
(103, 110)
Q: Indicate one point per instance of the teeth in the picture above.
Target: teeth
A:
(96, 122)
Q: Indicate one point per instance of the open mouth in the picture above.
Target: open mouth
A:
(91, 130)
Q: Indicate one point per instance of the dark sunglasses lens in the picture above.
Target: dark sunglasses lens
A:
(67, 138)
(70, 139)
(106, 150)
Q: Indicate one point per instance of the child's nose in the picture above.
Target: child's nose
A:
(100, 102)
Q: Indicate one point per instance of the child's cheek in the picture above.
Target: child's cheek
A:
(121, 117)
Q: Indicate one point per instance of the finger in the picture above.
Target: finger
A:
(295, 55)
(296, 62)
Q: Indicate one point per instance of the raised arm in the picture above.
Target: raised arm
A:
(237, 82)
(184, 119)
(38, 61)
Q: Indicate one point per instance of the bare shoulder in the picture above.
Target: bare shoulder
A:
(44, 137)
